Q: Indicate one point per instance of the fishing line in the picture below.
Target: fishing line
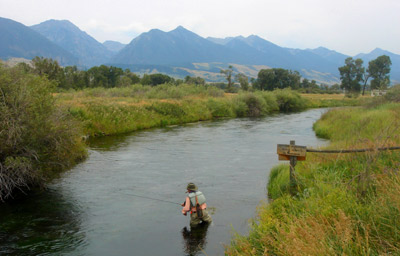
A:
(155, 199)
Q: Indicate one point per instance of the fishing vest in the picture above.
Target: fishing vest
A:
(200, 197)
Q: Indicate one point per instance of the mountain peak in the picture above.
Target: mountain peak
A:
(58, 23)
(180, 28)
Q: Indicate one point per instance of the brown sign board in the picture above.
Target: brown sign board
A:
(286, 151)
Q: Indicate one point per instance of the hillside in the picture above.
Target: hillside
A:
(114, 46)
(179, 46)
(20, 41)
(68, 36)
(178, 53)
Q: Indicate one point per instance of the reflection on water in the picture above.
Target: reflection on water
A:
(44, 223)
(90, 210)
(195, 238)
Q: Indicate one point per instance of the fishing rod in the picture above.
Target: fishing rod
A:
(151, 198)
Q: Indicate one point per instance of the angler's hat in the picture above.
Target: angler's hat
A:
(191, 186)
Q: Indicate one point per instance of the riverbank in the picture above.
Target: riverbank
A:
(345, 204)
(121, 110)
(42, 131)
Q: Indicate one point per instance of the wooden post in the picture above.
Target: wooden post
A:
(292, 153)
(293, 162)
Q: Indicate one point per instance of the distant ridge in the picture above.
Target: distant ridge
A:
(114, 46)
(20, 41)
(68, 36)
(178, 52)
(178, 46)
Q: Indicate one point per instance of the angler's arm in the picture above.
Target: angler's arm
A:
(186, 207)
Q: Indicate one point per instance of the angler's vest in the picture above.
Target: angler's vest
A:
(200, 197)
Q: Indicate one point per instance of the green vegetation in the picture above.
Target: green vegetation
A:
(37, 139)
(353, 73)
(346, 204)
(120, 110)
(46, 109)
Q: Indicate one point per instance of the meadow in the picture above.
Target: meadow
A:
(120, 110)
(343, 204)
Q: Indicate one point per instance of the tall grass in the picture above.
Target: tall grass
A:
(346, 204)
(120, 110)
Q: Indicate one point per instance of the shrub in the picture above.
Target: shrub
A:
(289, 100)
(255, 103)
(37, 139)
(220, 108)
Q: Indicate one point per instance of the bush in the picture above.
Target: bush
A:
(220, 108)
(37, 139)
(289, 100)
(393, 94)
(255, 103)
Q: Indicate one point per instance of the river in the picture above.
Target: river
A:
(123, 200)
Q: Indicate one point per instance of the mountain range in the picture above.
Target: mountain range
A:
(179, 52)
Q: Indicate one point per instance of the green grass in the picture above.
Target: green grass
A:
(345, 204)
(121, 110)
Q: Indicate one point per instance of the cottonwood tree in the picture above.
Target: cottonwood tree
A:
(351, 74)
(277, 78)
(228, 75)
(379, 70)
(243, 81)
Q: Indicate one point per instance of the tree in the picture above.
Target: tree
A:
(135, 79)
(228, 75)
(379, 70)
(104, 76)
(49, 68)
(277, 78)
(243, 81)
(305, 83)
(195, 80)
(351, 74)
(156, 79)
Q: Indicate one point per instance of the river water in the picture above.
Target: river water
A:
(103, 205)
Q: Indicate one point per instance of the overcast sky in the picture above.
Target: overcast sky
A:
(347, 26)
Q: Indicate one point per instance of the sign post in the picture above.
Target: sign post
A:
(293, 153)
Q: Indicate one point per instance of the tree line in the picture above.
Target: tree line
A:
(353, 75)
(70, 77)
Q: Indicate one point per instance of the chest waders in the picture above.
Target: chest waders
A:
(197, 199)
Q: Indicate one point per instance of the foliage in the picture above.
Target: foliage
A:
(119, 110)
(379, 70)
(393, 94)
(155, 79)
(351, 74)
(228, 75)
(194, 80)
(289, 100)
(243, 81)
(277, 78)
(38, 140)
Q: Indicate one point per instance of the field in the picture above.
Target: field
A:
(342, 204)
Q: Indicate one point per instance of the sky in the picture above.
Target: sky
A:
(347, 26)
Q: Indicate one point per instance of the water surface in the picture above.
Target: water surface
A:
(98, 207)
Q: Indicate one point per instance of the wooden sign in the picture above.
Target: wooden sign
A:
(286, 151)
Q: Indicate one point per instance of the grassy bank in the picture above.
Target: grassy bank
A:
(120, 110)
(346, 204)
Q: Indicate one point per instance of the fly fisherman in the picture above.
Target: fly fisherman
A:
(195, 203)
